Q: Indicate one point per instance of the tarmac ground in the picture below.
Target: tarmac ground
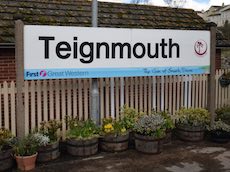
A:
(177, 156)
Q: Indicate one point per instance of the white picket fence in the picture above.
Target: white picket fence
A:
(54, 99)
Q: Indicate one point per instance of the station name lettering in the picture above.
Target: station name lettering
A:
(86, 52)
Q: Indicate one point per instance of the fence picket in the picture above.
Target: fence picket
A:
(86, 98)
(80, 99)
(57, 100)
(26, 104)
(112, 96)
(39, 106)
(12, 108)
(51, 102)
(6, 105)
(32, 107)
(101, 90)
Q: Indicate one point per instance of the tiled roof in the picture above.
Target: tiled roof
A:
(78, 13)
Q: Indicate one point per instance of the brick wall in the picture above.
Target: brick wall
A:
(218, 58)
(7, 64)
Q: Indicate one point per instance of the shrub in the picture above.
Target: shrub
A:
(5, 138)
(197, 117)
(111, 126)
(29, 145)
(50, 128)
(150, 125)
(223, 114)
(82, 130)
(168, 121)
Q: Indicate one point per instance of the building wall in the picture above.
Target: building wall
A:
(7, 65)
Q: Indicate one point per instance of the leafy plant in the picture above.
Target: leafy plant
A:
(129, 117)
(5, 138)
(29, 145)
(219, 125)
(168, 121)
(50, 128)
(193, 117)
(223, 114)
(82, 129)
(111, 126)
(150, 125)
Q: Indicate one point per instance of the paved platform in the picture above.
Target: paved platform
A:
(176, 157)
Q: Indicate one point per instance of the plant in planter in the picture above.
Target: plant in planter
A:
(219, 132)
(26, 150)
(6, 159)
(50, 151)
(223, 114)
(190, 123)
(115, 137)
(225, 79)
(168, 125)
(149, 133)
(129, 117)
(82, 137)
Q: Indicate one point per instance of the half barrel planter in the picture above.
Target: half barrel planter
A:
(190, 133)
(48, 153)
(219, 136)
(114, 143)
(82, 147)
(148, 144)
(6, 160)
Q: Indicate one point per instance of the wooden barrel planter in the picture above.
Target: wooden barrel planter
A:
(148, 144)
(82, 147)
(6, 160)
(188, 133)
(112, 143)
(219, 136)
(48, 153)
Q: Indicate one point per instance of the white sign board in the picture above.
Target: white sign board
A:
(84, 52)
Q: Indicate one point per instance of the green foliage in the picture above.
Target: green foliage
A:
(193, 117)
(168, 121)
(129, 117)
(50, 128)
(111, 126)
(219, 125)
(5, 138)
(29, 145)
(223, 114)
(82, 129)
(151, 125)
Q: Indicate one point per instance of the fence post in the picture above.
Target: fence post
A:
(211, 78)
(19, 60)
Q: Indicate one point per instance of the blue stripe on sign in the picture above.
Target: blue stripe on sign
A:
(34, 74)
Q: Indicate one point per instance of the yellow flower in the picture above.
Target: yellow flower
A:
(108, 126)
(123, 130)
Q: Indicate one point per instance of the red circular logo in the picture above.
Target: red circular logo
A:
(43, 73)
(200, 47)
